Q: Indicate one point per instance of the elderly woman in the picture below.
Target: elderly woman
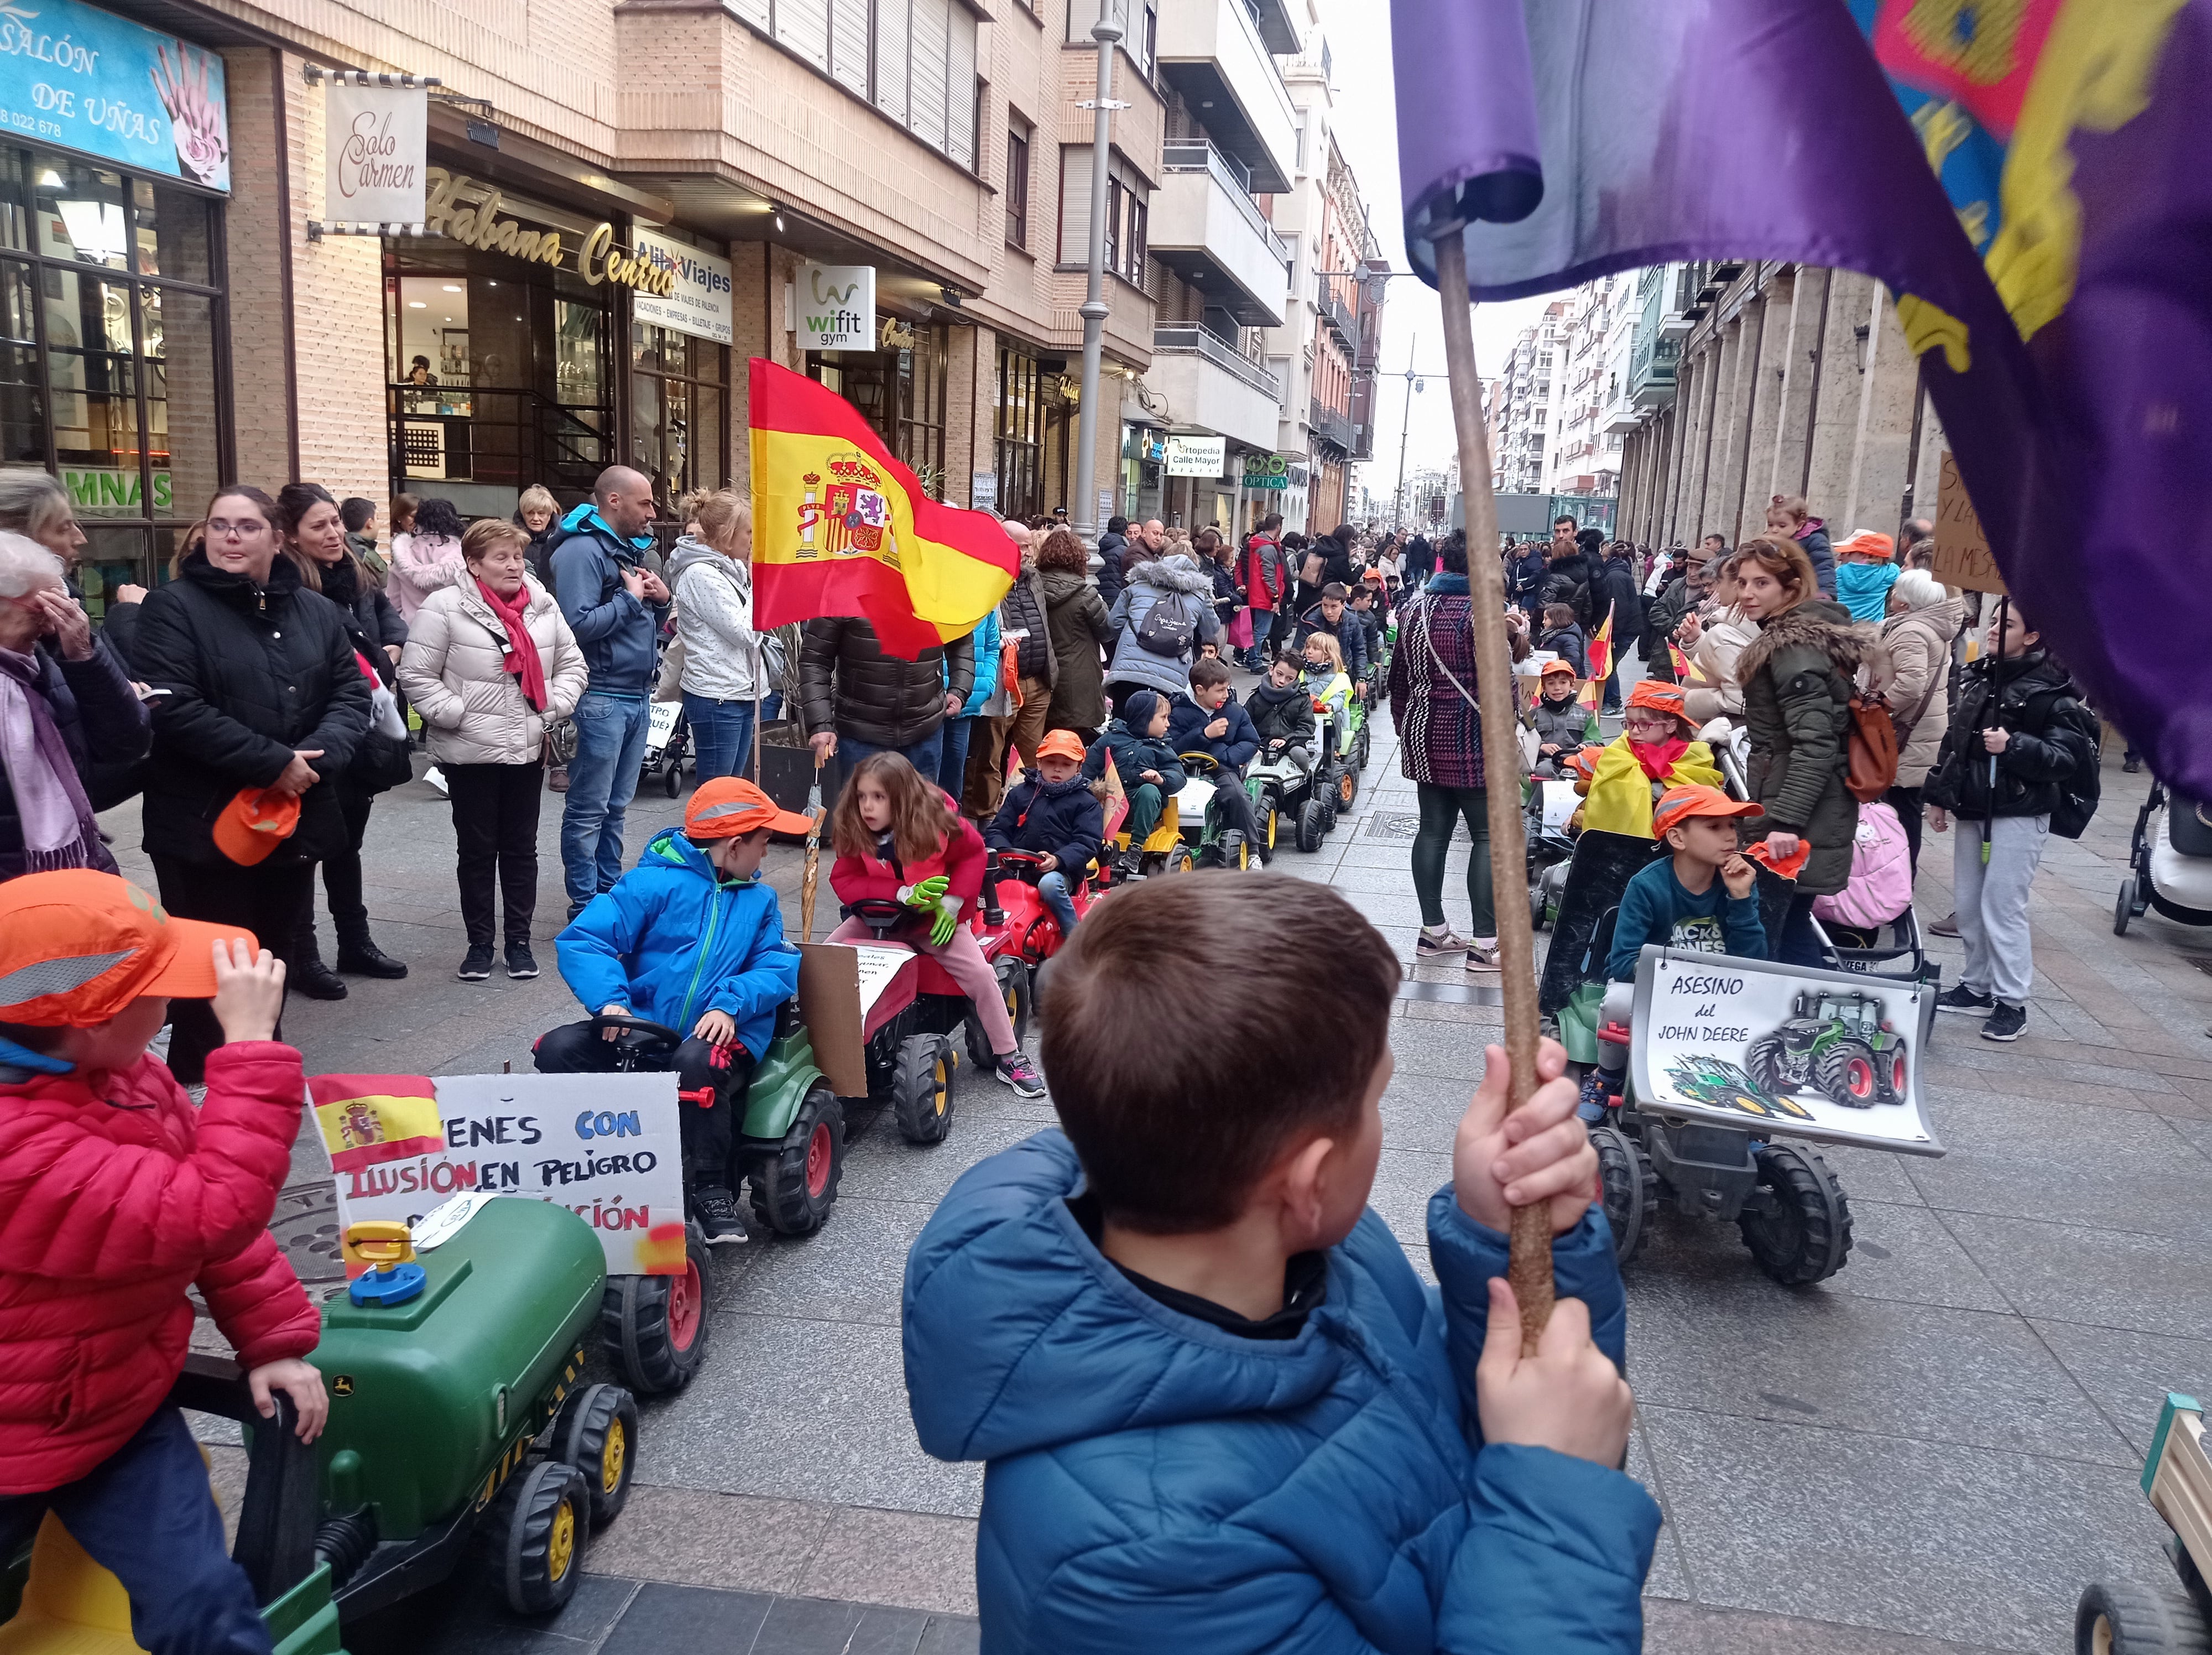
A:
(1924, 620)
(490, 663)
(711, 574)
(536, 514)
(1076, 617)
(257, 692)
(68, 714)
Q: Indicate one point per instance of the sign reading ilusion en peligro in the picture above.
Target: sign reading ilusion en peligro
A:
(461, 209)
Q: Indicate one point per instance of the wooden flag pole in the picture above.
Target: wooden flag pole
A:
(1530, 1270)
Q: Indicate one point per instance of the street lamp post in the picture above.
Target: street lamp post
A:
(1404, 429)
(1106, 31)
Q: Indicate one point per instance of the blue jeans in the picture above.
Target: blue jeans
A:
(722, 735)
(1263, 622)
(1052, 888)
(145, 1513)
(611, 734)
(952, 763)
(923, 755)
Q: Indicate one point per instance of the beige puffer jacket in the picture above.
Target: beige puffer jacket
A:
(1722, 639)
(1919, 643)
(454, 673)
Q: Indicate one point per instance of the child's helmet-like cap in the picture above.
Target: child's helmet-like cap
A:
(77, 945)
(1678, 804)
(728, 806)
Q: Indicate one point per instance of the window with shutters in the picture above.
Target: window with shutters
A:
(915, 60)
(1128, 215)
(1017, 185)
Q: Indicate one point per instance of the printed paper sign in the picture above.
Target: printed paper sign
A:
(1827, 1057)
(878, 964)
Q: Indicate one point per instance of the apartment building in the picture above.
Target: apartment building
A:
(1526, 397)
(627, 200)
(1596, 338)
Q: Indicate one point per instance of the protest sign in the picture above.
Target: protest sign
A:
(1826, 1056)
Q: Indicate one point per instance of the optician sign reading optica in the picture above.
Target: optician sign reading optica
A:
(93, 82)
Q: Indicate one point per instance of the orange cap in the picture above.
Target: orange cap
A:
(1678, 804)
(1060, 744)
(254, 822)
(727, 807)
(1659, 697)
(1868, 543)
(76, 947)
(1561, 665)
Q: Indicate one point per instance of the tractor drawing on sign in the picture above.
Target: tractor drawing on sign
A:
(1721, 1084)
(1841, 1046)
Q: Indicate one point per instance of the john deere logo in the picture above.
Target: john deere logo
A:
(342, 1385)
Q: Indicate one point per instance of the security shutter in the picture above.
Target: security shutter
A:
(848, 43)
(802, 26)
(1075, 204)
(960, 88)
(925, 108)
(892, 33)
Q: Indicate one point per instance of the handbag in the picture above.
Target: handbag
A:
(1871, 749)
(1240, 630)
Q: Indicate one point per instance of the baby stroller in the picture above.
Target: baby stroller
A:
(2169, 863)
(667, 736)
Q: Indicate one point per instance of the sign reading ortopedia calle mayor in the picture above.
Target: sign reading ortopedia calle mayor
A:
(461, 209)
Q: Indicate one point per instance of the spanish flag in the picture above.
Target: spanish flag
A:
(369, 1118)
(841, 528)
(1600, 662)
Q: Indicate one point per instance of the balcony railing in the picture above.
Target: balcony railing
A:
(1235, 179)
(1331, 304)
(1331, 426)
(1189, 339)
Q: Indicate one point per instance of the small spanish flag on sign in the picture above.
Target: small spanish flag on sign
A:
(369, 1118)
(841, 528)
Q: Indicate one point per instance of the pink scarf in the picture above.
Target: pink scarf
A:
(521, 654)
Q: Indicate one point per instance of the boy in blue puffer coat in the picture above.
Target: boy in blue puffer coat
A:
(689, 939)
(1217, 1409)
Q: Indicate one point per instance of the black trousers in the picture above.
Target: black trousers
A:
(1905, 801)
(711, 1085)
(495, 830)
(342, 871)
(274, 901)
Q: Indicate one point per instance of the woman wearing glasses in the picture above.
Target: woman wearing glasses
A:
(254, 686)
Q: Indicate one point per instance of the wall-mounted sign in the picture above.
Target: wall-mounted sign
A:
(1195, 456)
(838, 307)
(700, 305)
(103, 490)
(1267, 472)
(983, 491)
(91, 82)
(897, 336)
(461, 209)
(375, 150)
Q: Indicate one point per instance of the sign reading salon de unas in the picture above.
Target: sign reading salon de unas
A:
(461, 209)
(95, 83)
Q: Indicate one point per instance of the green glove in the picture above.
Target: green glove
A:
(925, 895)
(941, 929)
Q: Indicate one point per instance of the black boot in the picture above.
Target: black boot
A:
(358, 953)
(310, 976)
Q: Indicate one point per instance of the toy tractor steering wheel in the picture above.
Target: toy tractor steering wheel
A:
(1199, 763)
(880, 914)
(1027, 866)
(638, 1035)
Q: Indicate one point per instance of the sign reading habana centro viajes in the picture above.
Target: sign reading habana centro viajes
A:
(461, 209)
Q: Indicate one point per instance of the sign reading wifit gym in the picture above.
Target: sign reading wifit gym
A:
(94, 83)
(837, 306)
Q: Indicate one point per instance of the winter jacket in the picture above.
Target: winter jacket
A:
(1619, 589)
(1433, 693)
(1285, 716)
(847, 683)
(421, 563)
(253, 673)
(1664, 615)
(615, 631)
(1813, 535)
(1863, 589)
(715, 617)
(1261, 571)
(1062, 819)
(1567, 725)
(1569, 644)
(959, 856)
(104, 726)
(1022, 611)
(981, 649)
(1655, 908)
(454, 671)
(1351, 636)
(1133, 755)
(674, 941)
(372, 619)
(1076, 616)
(1797, 684)
(538, 555)
(1564, 580)
(1619, 795)
(1722, 637)
(2053, 737)
(116, 1195)
(1421, 560)
(1187, 722)
(1919, 644)
(1524, 578)
(1154, 1481)
(375, 568)
(1110, 581)
(1173, 580)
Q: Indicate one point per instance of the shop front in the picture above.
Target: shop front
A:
(114, 169)
(898, 384)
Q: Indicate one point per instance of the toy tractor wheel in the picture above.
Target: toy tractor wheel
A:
(1539, 910)
(1313, 825)
(921, 1088)
(551, 1520)
(2124, 910)
(1766, 1064)
(1178, 859)
(1347, 788)
(794, 1183)
(1014, 988)
(1631, 1189)
(654, 1327)
(672, 778)
(596, 1432)
(1847, 1073)
(2132, 1620)
(1359, 753)
(1270, 823)
(1806, 1235)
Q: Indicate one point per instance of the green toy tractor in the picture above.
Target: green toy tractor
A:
(1841, 1044)
(2167, 1616)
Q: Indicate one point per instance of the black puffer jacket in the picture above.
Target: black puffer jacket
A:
(1022, 609)
(848, 684)
(253, 673)
(373, 618)
(1619, 589)
(2052, 737)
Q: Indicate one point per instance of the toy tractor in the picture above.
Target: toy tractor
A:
(1837, 1044)
(1212, 842)
(2133, 1620)
(1282, 792)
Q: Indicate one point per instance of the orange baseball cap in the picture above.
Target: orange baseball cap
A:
(1659, 697)
(254, 822)
(1678, 804)
(76, 947)
(1060, 744)
(1869, 544)
(1551, 667)
(727, 807)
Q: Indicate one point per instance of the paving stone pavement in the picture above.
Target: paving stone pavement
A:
(1933, 1451)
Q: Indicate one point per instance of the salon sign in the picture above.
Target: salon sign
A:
(91, 82)
(461, 209)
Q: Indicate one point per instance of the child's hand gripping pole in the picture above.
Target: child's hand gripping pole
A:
(1525, 1167)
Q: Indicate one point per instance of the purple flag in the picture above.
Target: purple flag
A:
(1766, 129)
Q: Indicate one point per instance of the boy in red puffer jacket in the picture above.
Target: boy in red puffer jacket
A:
(116, 1195)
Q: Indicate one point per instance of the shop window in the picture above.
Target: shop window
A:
(676, 384)
(1018, 448)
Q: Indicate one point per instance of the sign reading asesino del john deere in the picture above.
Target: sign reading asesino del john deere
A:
(461, 209)
(91, 82)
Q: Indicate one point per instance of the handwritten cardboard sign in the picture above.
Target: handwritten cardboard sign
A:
(1962, 551)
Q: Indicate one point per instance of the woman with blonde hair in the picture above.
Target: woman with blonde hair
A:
(537, 514)
(725, 665)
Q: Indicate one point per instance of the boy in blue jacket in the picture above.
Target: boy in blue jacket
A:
(1209, 720)
(1217, 1409)
(1052, 812)
(689, 939)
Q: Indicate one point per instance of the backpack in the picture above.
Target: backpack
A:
(1872, 750)
(2078, 794)
(1167, 629)
(1315, 570)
